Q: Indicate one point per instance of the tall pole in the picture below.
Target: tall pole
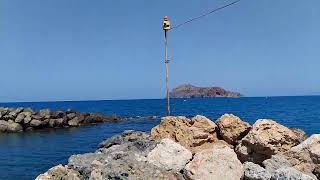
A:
(166, 61)
(166, 28)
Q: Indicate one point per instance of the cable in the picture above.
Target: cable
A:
(203, 15)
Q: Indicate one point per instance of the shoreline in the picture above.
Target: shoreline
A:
(264, 150)
(14, 120)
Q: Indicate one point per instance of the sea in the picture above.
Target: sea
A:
(25, 155)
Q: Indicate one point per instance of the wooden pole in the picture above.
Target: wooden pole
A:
(166, 61)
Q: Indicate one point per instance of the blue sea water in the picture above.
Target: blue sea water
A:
(25, 155)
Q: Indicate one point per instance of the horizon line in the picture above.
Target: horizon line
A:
(131, 99)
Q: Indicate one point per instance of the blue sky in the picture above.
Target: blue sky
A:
(103, 49)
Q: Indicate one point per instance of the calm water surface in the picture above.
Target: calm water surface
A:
(25, 155)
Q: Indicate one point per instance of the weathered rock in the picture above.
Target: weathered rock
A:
(60, 173)
(128, 136)
(316, 172)
(14, 127)
(289, 173)
(74, 122)
(196, 134)
(6, 117)
(264, 140)
(44, 113)
(71, 115)
(219, 162)
(3, 126)
(56, 122)
(14, 112)
(301, 135)
(96, 173)
(3, 111)
(306, 156)
(20, 118)
(255, 172)
(27, 119)
(36, 116)
(35, 123)
(57, 114)
(232, 129)
(95, 118)
(121, 157)
(162, 155)
(82, 162)
(275, 162)
(28, 110)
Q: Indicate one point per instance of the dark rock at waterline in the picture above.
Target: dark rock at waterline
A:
(25, 119)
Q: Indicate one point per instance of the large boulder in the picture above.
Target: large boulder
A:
(35, 123)
(20, 118)
(44, 113)
(255, 172)
(162, 155)
(74, 122)
(27, 118)
(289, 173)
(306, 156)
(56, 122)
(232, 129)
(3, 126)
(14, 127)
(14, 112)
(218, 162)
(60, 173)
(121, 157)
(300, 134)
(276, 162)
(196, 134)
(264, 140)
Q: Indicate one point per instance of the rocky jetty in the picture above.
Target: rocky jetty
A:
(25, 119)
(199, 149)
(190, 91)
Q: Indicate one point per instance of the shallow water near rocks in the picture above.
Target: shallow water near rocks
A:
(25, 155)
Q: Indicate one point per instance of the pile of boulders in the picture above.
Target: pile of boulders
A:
(24, 119)
(200, 149)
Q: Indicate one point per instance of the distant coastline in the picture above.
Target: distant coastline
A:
(191, 91)
(136, 99)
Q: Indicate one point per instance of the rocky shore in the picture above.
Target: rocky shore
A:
(200, 149)
(25, 119)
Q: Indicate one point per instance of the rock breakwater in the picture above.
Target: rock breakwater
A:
(199, 149)
(25, 119)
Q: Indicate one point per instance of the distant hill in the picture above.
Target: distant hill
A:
(190, 91)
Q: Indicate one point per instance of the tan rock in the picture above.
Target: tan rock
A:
(306, 156)
(264, 140)
(195, 134)
(300, 134)
(219, 162)
(60, 173)
(96, 173)
(232, 129)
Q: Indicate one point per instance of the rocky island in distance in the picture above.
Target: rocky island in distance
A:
(191, 91)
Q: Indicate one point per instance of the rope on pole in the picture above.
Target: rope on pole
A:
(203, 15)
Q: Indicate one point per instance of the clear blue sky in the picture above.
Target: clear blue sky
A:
(107, 49)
